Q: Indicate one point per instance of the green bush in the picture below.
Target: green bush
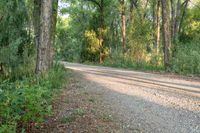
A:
(27, 101)
(186, 59)
(128, 61)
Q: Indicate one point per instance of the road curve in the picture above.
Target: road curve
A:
(146, 102)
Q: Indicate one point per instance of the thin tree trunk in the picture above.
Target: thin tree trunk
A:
(101, 31)
(54, 21)
(177, 21)
(183, 14)
(166, 32)
(123, 24)
(36, 25)
(45, 37)
(157, 28)
(173, 16)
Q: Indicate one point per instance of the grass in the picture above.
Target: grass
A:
(72, 118)
(91, 100)
(79, 112)
(68, 119)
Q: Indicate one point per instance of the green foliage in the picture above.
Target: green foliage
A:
(186, 53)
(68, 119)
(25, 98)
(67, 47)
(84, 18)
(17, 50)
(191, 25)
(139, 38)
(187, 58)
(94, 43)
(82, 35)
(121, 61)
(29, 100)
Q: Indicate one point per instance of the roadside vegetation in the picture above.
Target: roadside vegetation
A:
(26, 93)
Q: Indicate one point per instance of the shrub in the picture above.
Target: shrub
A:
(28, 101)
(186, 59)
(128, 61)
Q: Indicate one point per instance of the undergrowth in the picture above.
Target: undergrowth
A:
(26, 102)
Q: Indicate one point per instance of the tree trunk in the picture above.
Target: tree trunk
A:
(54, 21)
(173, 16)
(36, 20)
(123, 24)
(101, 30)
(185, 5)
(157, 27)
(177, 21)
(45, 37)
(166, 32)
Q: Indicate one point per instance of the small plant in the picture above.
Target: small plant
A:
(68, 119)
(80, 112)
(91, 100)
(28, 100)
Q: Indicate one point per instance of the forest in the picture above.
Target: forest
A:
(145, 35)
(139, 34)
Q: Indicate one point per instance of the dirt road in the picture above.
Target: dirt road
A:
(145, 102)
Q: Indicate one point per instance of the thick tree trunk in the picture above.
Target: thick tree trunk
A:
(166, 32)
(123, 25)
(45, 37)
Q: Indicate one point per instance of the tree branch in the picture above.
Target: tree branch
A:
(95, 2)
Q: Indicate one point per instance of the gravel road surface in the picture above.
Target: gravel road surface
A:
(145, 102)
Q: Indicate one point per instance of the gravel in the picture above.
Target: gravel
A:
(145, 102)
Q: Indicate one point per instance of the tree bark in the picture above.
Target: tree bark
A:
(185, 5)
(54, 21)
(45, 37)
(173, 16)
(123, 25)
(157, 27)
(36, 20)
(177, 21)
(101, 30)
(166, 33)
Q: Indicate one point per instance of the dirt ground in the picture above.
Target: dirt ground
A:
(80, 111)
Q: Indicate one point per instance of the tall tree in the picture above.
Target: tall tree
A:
(45, 37)
(166, 32)
(54, 21)
(177, 21)
(100, 5)
(156, 25)
(36, 25)
(123, 24)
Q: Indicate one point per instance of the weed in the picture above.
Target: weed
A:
(80, 112)
(91, 100)
(68, 119)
